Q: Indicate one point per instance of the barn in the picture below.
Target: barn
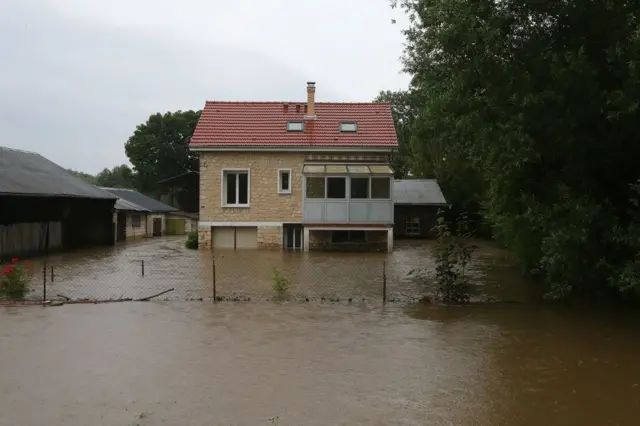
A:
(44, 208)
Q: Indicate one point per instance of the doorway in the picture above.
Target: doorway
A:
(157, 226)
(121, 229)
(292, 237)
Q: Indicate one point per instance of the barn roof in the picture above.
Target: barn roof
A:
(133, 200)
(418, 192)
(27, 173)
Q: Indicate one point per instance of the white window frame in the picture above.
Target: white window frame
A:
(223, 187)
(280, 190)
(413, 223)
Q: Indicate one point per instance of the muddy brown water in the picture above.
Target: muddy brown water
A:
(317, 363)
(195, 363)
(115, 272)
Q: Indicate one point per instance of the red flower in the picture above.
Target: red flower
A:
(15, 260)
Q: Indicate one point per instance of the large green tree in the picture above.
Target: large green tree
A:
(118, 177)
(158, 148)
(542, 99)
(404, 109)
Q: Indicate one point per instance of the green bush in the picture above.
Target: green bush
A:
(280, 283)
(192, 240)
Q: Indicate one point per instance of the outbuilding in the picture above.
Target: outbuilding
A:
(416, 205)
(44, 208)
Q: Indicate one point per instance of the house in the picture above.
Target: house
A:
(295, 175)
(43, 207)
(416, 205)
(138, 216)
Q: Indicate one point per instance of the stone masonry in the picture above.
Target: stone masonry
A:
(266, 204)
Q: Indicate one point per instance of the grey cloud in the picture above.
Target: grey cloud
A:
(74, 92)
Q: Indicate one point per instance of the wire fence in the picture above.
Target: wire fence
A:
(219, 277)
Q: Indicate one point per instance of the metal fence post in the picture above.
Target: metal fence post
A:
(44, 282)
(214, 279)
(142, 264)
(384, 282)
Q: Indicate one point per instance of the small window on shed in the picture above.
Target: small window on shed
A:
(348, 126)
(295, 126)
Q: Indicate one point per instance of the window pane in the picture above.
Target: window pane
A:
(381, 188)
(231, 188)
(284, 181)
(380, 170)
(243, 188)
(295, 126)
(346, 126)
(359, 187)
(358, 169)
(336, 187)
(315, 187)
(336, 168)
(310, 168)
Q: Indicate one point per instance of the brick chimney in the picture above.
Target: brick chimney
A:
(311, 101)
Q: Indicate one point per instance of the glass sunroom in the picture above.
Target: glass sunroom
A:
(347, 193)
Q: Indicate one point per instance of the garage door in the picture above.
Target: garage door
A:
(246, 238)
(223, 238)
(241, 237)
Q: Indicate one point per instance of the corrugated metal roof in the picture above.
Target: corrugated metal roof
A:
(125, 205)
(29, 173)
(418, 191)
(140, 200)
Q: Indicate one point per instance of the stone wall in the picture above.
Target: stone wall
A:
(138, 232)
(266, 204)
(270, 237)
(205, 238)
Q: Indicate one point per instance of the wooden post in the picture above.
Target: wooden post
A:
(142, 263)
(214, 279)
(44, 282)
(384, 282)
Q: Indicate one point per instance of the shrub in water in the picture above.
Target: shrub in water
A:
(192, 240)
(13, 279)
(280, 283)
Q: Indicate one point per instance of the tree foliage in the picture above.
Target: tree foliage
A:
(540, 99)
(404, 108)
(119, 177)
(158, 149)
(82, 175)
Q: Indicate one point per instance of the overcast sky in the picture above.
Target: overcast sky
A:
(77, 76)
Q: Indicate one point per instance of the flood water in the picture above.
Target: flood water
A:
(117, 272)
(323, 363)
(195, 363)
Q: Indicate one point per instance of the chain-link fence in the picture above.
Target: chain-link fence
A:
(219, 276)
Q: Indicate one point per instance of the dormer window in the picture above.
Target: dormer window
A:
(295, 126)
(348, 127)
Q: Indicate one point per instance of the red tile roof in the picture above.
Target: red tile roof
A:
(264, 124)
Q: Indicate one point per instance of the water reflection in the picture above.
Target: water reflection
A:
(108, 273)
(314, 364)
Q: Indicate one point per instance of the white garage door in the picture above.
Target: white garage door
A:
(247, 238)
(223, 237)
(240, 238)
